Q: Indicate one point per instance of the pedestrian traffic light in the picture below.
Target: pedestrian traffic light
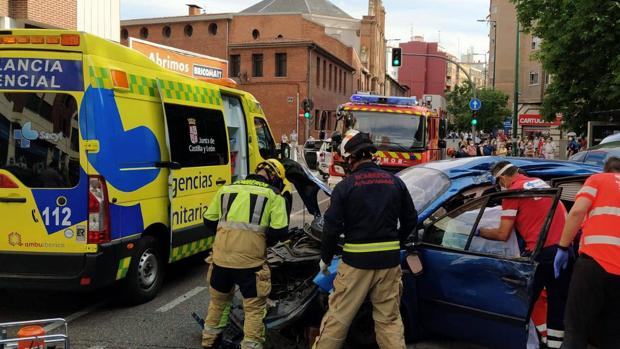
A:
(307, 105)
(474, 118)
(396, 57)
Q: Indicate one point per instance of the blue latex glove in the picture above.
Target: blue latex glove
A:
(560, 262)
(477, 232)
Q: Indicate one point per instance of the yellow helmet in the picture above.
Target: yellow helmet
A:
(273, 167)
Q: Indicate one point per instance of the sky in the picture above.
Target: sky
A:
(451, 22)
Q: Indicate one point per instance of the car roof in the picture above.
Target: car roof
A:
(608, 145)
(476, 166)
(611, 138)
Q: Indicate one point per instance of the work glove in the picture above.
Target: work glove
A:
(324, 268)
(561, 260)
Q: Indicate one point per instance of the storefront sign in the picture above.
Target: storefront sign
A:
(185, 62)
(537, 120)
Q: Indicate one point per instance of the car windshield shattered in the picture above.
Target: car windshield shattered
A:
(424, 184)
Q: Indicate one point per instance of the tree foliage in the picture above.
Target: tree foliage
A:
(491, 114)
(580, 49)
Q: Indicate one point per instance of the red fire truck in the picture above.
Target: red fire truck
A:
(405, 134)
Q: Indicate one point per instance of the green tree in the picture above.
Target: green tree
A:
(491, 114)
(581, 52)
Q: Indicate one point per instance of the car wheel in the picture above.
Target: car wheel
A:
(146, 272)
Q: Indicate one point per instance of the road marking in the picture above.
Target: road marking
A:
(181, 299)
(74, 316)
(303, 209)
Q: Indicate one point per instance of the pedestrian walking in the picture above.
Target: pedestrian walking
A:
(529, 150)
(593, 305)
(527, 216)
(367, 207)
(246, 217)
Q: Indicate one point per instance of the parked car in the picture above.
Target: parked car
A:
(325, 158)
(612, 138)
(311, 148)
(599, 154)
(471, 289)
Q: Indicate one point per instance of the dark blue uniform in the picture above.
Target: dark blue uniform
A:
(367, 207)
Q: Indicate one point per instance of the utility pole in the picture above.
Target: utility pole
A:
(515, 105)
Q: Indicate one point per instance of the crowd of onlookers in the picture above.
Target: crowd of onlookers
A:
(534, 146)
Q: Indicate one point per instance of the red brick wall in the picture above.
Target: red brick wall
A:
(423, 75)
(4, 8)
(57, 13)
(201, 41)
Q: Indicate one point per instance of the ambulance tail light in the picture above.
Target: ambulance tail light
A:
(7, 182)
(98, 211)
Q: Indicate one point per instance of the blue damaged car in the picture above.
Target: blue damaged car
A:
(471, 289)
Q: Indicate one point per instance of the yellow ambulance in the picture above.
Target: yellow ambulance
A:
(108, 161)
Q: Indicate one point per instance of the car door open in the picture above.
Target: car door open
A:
(473, 288)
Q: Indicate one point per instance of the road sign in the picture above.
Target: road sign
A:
(507, 125)
(475, 104)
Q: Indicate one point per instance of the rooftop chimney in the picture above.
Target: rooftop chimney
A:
(194, 10)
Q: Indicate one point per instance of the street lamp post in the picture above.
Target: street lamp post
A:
(494, 23)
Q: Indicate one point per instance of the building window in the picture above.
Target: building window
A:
(318, 71)
(144, 32)
(257, 65)
(235, 66)
(330, 76)
(124, 34)
(547, 78)
(324, 73)
(344, 88)
(166, 31)
(535, 43)
(189, 30)
(280, 64)
(255, 34)
(213, 29)
(280, 36)
(533, 78)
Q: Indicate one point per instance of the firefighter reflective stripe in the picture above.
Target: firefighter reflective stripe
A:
(601, 239)
(243, 226)
(257, 212)
(605, 210)
(587, 190)
(372, 247)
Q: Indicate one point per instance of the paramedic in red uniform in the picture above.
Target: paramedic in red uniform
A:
(594, 295)
(527, 216)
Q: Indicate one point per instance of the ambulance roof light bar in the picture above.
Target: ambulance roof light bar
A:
(387, 100)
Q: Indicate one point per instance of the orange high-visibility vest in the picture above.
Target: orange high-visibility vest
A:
(601, 228)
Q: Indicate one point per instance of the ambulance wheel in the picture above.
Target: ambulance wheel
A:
(146, 272)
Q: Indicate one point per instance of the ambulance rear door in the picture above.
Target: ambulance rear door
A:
(199, 161)
(43, 185)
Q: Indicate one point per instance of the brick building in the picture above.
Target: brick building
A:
(280, 50)
(99, 17)
(423, 75)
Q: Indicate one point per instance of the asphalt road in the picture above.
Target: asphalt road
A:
(97, 320)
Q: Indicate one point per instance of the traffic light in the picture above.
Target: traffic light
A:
(396, 57)
(474, 118)
(307, 105)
